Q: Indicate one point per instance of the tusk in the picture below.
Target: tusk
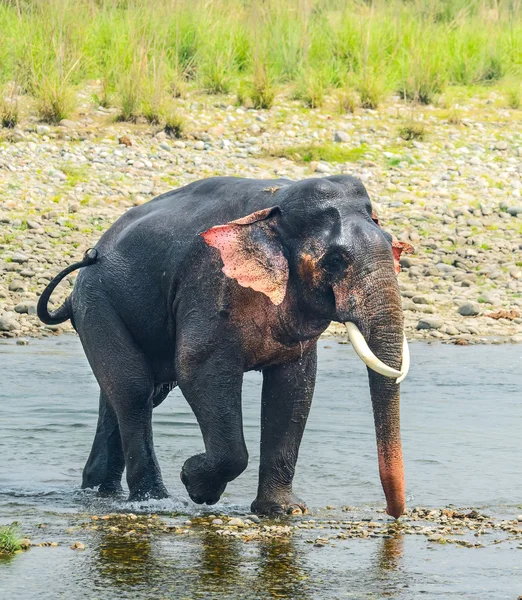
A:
(370, 360)
(405, 366)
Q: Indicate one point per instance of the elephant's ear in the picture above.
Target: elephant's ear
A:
(397, 247)
(252, 253)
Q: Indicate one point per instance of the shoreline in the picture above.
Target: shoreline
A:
(455, 195)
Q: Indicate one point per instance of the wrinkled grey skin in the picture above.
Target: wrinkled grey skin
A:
(154, 309)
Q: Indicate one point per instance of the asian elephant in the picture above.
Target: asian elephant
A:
(223, 276)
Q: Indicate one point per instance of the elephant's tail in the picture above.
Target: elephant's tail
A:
(63, 313)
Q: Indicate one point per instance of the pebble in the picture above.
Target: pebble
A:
(78, 546)
(43, 129)
(469, 309)
(8, 323)
(17, 285)
(430, 323)
(341, 136)
(60, 187)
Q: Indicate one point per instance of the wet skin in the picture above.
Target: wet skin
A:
(221, 277)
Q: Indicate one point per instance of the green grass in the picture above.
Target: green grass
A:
(328, 152)
(143, 52)
(10, 541)
(412, 130)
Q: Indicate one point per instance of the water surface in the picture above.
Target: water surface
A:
(461, 424)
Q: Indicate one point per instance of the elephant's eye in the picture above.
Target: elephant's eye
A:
(334, 262)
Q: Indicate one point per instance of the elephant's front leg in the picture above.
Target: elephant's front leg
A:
(212, 387)
(287, 397)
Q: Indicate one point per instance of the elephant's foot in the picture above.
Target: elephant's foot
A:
(286, 504)
(203, 484)
(106, 490)
(154, 490)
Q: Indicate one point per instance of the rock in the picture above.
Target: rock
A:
(254, 518)
(199, 145)
(341, 136)
(8, 323)
(165, 146)
(43, 129)
(422, 300)
(469, 309)
(235, 522)
(27, 308)
(22, 342)
(67, 123)
(217, 522)
(501, 145)
(17, 285)
(430, 323)
(323, 167)
(219, 130)
(18, 257)
(451, 330)
(514, 210)
(78, 546)
(489, 298)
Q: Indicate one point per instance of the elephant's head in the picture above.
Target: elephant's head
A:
(322, 252)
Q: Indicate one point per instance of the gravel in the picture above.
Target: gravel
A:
(455, 196)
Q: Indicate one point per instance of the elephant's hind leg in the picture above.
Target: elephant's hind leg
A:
(127, 382)
(106, 462)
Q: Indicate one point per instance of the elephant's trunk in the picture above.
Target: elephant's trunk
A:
(376, 306)
(385, 338)
(386, 410)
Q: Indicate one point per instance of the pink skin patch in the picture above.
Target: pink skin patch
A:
(255, 262)
(397, 247)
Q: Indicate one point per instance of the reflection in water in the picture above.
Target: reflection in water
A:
(387, 572)
(220, 561)
(279, 571)
(204, 564)
(390, 553)
(126, 561)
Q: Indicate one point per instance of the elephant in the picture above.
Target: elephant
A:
(223, 276)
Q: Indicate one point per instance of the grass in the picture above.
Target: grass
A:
(263, 92)
(412, 130)
(514, 94)
(328, 152)
(10, 541)
(174, 124)
(309, 49)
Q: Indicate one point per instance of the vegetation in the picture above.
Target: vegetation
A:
(141, 52)
(412, 130)
(10, 541)
(9, 111)
(329, 152)
(174, 124)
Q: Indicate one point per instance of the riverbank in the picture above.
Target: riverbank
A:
(453, 192)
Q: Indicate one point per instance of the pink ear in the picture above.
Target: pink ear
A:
(252, 253)
(397, 247)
